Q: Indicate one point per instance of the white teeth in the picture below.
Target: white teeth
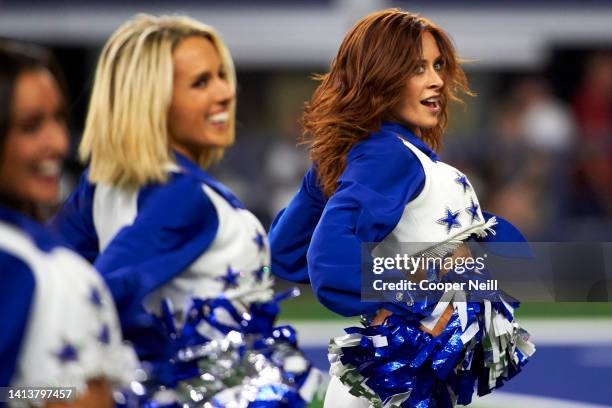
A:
(49, 168)
(221, 117)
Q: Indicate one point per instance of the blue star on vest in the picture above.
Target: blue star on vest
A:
(230, 279)
(259, 273)
(473, 211)
(450, 220)
(104, 335)
(462, 181)
(68, 353)
(95, 298)
(259, 240)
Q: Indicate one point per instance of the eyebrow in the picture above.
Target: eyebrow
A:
(38, 115)
(209, 72)
(423, 61)
(202, 75)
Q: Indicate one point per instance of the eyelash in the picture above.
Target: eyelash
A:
(203, 82)
(421, 69)
(30, 126)
(34, 126)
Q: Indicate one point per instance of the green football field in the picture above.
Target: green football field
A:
(306, 307)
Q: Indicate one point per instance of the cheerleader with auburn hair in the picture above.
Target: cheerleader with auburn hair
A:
(374, 125)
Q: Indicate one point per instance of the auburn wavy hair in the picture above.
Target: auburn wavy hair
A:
(365, 83)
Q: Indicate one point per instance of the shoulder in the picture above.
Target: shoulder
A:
(17, 276)
(24, 262)
(22, 233)
(380, 160)
(84, 191)
(179, 207)
(182, 193)
(310, 184)
(32, 245)
(73, 223)
(381, 145)
(84, 183)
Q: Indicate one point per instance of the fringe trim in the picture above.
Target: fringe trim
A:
(444, 248)
(501, 340)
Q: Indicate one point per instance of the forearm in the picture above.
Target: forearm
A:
(98, 395)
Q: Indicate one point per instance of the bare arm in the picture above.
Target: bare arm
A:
(98, 395)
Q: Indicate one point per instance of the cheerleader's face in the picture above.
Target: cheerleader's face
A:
(37, 140)
(420, 104)
(199, 115)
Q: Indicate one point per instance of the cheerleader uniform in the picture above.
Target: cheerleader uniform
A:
(166, 248)
(59, 325)
(395, 190)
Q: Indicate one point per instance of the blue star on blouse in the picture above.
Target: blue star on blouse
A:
(462, 181)
(95, 297)
(104, 335)
(450, 220)
(259, 240)
(230, 279)
(473, 211)
(68, 353)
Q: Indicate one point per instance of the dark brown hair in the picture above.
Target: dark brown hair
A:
(15, 59)
(365, 84)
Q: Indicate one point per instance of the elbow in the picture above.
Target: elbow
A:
(336, 291)
(288, 262)
(345, 304)
(331, 303)
(292, 273)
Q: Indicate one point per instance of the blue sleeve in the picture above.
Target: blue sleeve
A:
(507, 241)
(16, 293)
(292, 230)
(175, 224)
(74, 222)
(380, 178)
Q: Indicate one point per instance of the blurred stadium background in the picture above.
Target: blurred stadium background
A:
(536, 141)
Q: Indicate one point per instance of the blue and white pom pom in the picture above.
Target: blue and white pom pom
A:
(398, 364)
(224, 358)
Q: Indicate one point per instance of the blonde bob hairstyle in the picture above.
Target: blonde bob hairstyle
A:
(126, 135)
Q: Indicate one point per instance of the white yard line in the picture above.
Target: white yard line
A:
(500, 399)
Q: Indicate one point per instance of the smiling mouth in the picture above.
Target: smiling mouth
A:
(48, 168)
(433, 102)
(219, 118)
